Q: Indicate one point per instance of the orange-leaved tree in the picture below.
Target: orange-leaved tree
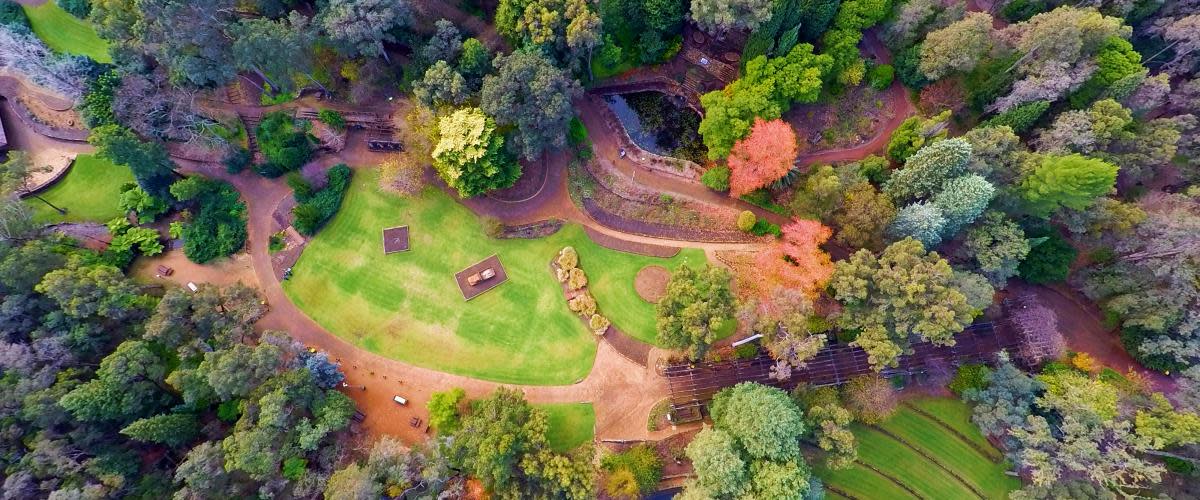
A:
(797, 261)
(762, 157)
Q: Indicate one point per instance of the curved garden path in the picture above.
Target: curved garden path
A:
(622, 391)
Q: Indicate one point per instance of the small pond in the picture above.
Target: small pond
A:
(660, 125)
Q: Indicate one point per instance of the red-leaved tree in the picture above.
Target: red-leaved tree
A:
(762, 157)
(797, 261)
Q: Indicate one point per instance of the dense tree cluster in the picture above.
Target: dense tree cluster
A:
(99, 376)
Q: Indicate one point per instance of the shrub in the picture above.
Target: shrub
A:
(870, 398)
(881, 76)
(294, 467)
(716, 178)
(746, 221)
(1132, 338)
(1020, 118)
(641, 461)
(1179, 466)
(622, 484)
(218, 226)
(1084, 362)
(763, 227)
(568, 258)
(237, 159)
(96, 107)
(492, 226)
(577, 134)
(599, 324)
(332, 118)
(321, 206)
(970, 376)
(11, 14)
(301, 188)
(284, 147)
(1049, 261)
(229, 411)
(583, 304)
(746, 351)
(576, 279)
(77, 8)
(445, 410)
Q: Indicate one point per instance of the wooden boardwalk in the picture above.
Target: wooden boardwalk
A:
(693, 385)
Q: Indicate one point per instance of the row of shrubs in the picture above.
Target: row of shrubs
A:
(315, 208)
(582, 303)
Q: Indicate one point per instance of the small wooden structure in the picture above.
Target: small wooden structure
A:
(395, 239)
(165, 271)
(481, 277)
(384, 145)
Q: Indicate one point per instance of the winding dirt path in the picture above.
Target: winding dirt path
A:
(622, 392)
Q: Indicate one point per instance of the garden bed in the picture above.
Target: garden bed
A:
(651, 283)
(848, 121)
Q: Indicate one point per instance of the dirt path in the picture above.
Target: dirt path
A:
(1083, 328)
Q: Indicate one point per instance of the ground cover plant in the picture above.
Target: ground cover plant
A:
(66, 33)
(570, 424)
(90, 191)
(407, 306)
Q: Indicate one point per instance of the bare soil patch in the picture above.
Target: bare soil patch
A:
(651, 283)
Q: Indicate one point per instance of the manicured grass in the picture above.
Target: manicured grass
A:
(570, 424)
(891, 456)
(957, 415)
(89, 191)
(860, 482)
(952, 452)
(903, 457)
(611, 282)
(407, 306)
(66, 33)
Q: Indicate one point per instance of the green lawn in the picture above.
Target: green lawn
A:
(978, 467)
(951, 451)
(571, 424)
(89, 191)
(407, 306)
(66, 33)
(859, 482)
(611, 281)
(957, 415)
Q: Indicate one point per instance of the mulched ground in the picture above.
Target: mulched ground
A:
(646, 249)
(533, 179)
(651, 283)
(469, 292)
(395, 239)
(633, 349)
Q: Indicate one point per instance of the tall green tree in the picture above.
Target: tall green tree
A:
(359, 27)
(531, 95)
(151, 164)
(275, 50)
(717, 17)
(470, 154)
(927, 170)
(1072, 181)
(697, 304)
(752, 450)
(902, 292)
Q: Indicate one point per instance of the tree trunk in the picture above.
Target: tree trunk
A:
(265, 78)
(314, 80)
(61, 211)
(1164, 49)
(254, 83)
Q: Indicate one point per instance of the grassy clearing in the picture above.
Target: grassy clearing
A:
(952, 452)
(957, 415)
(89, 191)
(407, 306)
(571, 424)
(859, 482)
(974, 462)
(891, 456)
(66, 33)
(611, 282)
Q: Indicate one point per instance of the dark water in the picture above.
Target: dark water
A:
(633, 125)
